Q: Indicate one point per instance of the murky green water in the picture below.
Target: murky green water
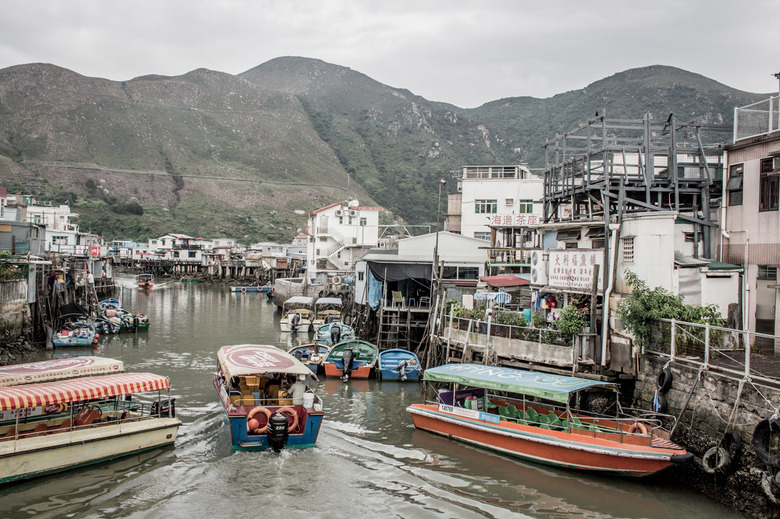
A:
(369, 460)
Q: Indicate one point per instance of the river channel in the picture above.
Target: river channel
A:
(369, 460)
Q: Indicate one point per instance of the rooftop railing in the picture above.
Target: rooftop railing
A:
(757, 119)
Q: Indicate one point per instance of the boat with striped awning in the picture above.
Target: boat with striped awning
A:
(57, 369)
(52, 426)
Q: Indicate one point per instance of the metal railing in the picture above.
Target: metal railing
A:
(508, 331)
(740, 352)
(757, 119)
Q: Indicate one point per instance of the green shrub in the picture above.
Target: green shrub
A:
(571, 321)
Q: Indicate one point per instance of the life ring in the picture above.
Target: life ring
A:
(290, 410)
(336, 280)
(716, 459)
(253, 412)
(664, 380)
(638, 426)
(259, 288)
(762, 435)
(243, 290)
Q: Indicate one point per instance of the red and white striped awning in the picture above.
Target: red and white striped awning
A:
(74, 390)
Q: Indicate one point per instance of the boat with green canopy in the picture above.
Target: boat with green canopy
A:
(542, 417)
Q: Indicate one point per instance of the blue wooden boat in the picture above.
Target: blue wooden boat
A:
(78, 334)
(398, 364)
(339, 331)
(250, 288)
(310, 357)
(251, 383)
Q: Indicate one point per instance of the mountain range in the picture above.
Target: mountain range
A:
(247, 156)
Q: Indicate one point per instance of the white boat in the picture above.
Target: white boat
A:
(57, 369)
(298, 313)
(327, 310)
(48, 427)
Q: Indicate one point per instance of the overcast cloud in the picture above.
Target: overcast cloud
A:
(461, 52)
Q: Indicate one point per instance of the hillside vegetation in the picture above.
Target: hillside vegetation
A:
(245, 156)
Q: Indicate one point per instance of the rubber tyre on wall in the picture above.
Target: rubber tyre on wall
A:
(733, 444)
(716, 459)
(762, 436)
(664, 380)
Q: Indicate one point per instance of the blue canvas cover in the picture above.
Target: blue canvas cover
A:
(532, 383)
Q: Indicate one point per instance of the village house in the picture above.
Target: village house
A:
(338, 236)
(750, 213)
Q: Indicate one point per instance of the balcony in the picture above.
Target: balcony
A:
(509, 257)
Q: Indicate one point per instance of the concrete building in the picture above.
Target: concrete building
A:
(497, 194)
(750, 211)
(338, 236)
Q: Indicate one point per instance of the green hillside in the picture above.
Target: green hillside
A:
(245, 156)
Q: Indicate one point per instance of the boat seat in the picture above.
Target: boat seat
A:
(504, 413)
(532, 416)
(515, 411)
(487, 404)
(86, 417)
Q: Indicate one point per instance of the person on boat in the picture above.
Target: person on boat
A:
(297, 390)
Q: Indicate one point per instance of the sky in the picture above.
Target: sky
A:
(461, 52)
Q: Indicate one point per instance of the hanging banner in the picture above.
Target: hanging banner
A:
(573, 269)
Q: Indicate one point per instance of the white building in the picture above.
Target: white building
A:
(338, 235)
(498, 195)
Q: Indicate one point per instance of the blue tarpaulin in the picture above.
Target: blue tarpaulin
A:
(374, 291)
(501, 298)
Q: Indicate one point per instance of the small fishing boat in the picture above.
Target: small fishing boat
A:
(529, 415)
(145, 280)
(263, 413)
(127, 321)
(297, 314)
(351, 358)
(309, 356)
(56, 425)
(332, 333)
(265, 289)
(188, 279)
(398, 364)
(327, 310)
(79, 334)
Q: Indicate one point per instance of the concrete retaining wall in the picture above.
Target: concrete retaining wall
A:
(14, 310)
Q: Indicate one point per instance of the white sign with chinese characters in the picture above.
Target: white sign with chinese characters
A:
(573, 269)
(514, 220)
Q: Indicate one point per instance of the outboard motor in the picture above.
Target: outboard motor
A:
(335, 333)
(277, 431)
(294, 320)
(135, 323)
(346, 358)
(401, 367)
(161, 407)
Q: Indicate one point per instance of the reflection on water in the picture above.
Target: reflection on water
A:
(369, 458)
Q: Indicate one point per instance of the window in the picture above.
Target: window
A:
(628, 249)
(768, 187)
(571, 245)
(486, 206)
(363, 221)
(767, 272)
(192, 254)
(482, 236)
(734, 185)
(597, 244)
(361, 276)
(526, 206)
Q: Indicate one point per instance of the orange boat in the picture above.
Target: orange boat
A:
(528, 415)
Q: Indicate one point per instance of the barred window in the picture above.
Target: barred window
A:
(486, 206)
(628, 249)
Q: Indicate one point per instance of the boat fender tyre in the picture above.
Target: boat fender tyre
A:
(340, 295)
(638, 426)
(769, 485)
(664, 380)
(253, 412)
(732, 443)
(289, 410)
(320, 294)
(660, 404)
(762, 436)
(716, 459)
(331, 294)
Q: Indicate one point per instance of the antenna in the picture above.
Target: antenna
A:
(777, 76)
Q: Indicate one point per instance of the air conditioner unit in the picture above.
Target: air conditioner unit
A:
(353, 213)
(339, 212)
(538, 269)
